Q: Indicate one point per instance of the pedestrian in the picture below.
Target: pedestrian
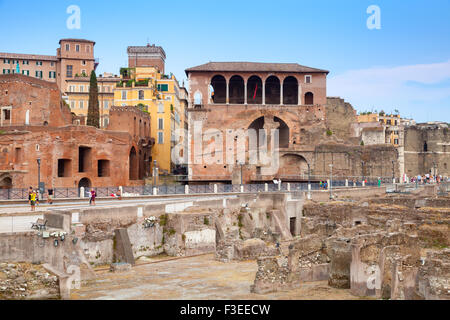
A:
(50, 196)
(33, 196)
(119, 194)
(92, 194)
(30, 191)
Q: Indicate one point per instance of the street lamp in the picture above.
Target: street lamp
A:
(362, 169)
(39, 176)
(155, 172)
(331, 181)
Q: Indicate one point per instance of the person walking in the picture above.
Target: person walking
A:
(30, 191)
(33, 196)
(50, 196)
(93, 194)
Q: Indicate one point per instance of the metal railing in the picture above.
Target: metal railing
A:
(105, 192)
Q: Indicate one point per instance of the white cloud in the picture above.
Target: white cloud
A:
(390, 88)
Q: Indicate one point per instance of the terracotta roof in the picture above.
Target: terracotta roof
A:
(21, 56)
(76, 40)
(254, 67)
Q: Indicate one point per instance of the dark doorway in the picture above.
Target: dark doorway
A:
(64, 168)
(6, 183)
(309, 98)
(103, 168)
(254, 90)
(425, 147)
(290, 91)
(84, 159)
(134, 165)
(85, 183)
(273, 90)
(292, 223)
(219, 85)
(237, 90)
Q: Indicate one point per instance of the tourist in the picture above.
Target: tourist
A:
(50, 196)
(33, 196)
(119, 194)
(92, 196)
(30, 191)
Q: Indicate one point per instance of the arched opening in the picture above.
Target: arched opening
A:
(85, 183)
(425, 147)
(309, 98)
(254, 90)
(283, 133)
(133, 165)
(6, 183)
(292, 165)
(219, 94)
(273, 90)
(290, 91)
(236, 90)
(198, 99)
(283, 128)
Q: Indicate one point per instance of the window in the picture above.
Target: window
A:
(67, 47)
(83, 72)
(38, 74)
(52, 74)
(64, 168)
(81, 88)
(160, 108)
(81, 104)
(88, 48)
(106, 105)
(163, 87)
(52, 64)
(69, 71)
(77, 48)
(39, 63)
(25, 62)
(396, 141)
(160, 137)
(141, 94)
(72, 104)
(26, 72)
(308, 79)
(6, 114)
(160, 124)
(103, 168)
(124, 95)
(83, 63)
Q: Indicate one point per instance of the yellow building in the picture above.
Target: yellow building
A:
(161, 96)
(77, 95)
(392, 124)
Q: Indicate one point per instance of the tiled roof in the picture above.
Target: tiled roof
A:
(20, 56)
(27, 79)
(254, 67)
(76, 40)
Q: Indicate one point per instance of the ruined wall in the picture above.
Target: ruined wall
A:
(427, 146)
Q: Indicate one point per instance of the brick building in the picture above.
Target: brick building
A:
(314, 131)
(36, 123)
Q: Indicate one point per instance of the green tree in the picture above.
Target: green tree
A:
(93, 118)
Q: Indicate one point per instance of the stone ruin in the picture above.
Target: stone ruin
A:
(385, 252)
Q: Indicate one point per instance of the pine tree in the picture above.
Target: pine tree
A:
(93, 118)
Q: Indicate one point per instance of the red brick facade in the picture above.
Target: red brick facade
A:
(69, 153)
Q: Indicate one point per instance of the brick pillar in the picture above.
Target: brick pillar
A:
(245, 92)
(264, 92)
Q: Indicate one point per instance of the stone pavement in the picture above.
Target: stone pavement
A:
(201, 278)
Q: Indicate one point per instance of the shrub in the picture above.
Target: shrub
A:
(329, 133)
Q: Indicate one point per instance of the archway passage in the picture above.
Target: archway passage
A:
(85, 183)
(292, 165)
(284, 133)
(219, 85)
(273, 95)
(309, 98)
(133, 165)
(236, 90)
(254, 90)
(290, 91)
(5, 183)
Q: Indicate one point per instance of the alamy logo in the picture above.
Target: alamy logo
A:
(74, 20)
(75, 276)
(374, 21)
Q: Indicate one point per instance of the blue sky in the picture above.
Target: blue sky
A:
(405, 65)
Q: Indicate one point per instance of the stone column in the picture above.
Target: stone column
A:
(228, 92)
(281, 93)
(186, 189)
(215, 188)
(299, 94)
(264, 92)
(245, 92)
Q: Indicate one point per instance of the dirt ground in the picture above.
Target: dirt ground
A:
(195, 278)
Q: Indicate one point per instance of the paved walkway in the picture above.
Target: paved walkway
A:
(194, 278)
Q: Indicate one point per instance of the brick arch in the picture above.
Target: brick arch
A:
(219, 84)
